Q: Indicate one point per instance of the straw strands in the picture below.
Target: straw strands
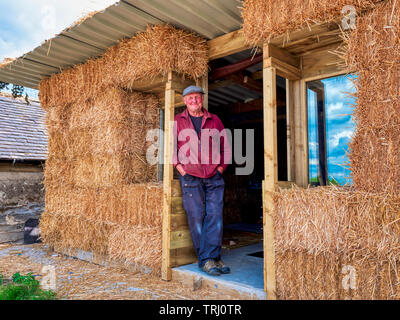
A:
(102, 142)
(156, 51)
(374, 51)
(324, 233)
(265, 19)
(121, 222)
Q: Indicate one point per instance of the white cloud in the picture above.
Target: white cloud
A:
(334, 140)
(39, 20)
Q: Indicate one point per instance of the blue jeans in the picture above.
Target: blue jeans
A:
(203, 200)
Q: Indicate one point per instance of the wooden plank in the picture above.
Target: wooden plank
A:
(285, 184)
(182, 256)
(283, 69)
(322, 62)
(270, 178)
(301, 133)
(176, 188)
(272, 51)
(179, 222)
(168, 177)
(290, 131)
(176, 204)
(227, 44)
(181, 239)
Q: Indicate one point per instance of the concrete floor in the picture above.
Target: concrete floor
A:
(246, 277)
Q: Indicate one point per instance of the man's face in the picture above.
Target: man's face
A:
(194, 101)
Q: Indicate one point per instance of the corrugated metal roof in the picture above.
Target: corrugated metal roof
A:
(23, 134)
(208, 18)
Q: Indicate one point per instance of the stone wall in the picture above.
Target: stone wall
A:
(21, 198)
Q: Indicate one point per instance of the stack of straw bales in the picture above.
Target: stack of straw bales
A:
(266, 19)
(101, 193)
(156, 51)
(374, 51)
(338, 243)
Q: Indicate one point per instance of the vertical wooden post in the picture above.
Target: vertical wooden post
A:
(291, 156)
(166, 273)
(301, 133)
(270, 178)
(204, 85)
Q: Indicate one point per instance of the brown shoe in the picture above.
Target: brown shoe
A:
(211, 268)
(223, 268)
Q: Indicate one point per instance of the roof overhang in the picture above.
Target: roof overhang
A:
(124, 19)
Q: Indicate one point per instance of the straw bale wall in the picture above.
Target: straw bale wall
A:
(266, 19)
(374, 51)
(122, 222)
(101, 193)
(324, 236)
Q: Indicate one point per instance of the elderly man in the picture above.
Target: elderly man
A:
(201, 156)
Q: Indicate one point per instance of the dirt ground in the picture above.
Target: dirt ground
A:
(80, 280)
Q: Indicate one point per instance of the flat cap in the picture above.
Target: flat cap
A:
(192, 89)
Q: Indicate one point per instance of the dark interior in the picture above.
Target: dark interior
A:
(236, 97)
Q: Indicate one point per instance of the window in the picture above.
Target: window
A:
(330, 129)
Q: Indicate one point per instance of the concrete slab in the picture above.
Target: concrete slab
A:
(246, 279)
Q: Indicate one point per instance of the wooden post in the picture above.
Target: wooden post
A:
(204, 85)
(270, 178)
(301, 134)
(291, 156)
(166, 273)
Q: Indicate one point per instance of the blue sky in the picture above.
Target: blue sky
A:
(339, 127)
(25, 24)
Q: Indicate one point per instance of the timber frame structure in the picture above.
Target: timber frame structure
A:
(308, 55)
(299, 57)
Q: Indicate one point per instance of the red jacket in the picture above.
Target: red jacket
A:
(200, 156)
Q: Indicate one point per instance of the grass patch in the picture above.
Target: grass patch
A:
(24, 288)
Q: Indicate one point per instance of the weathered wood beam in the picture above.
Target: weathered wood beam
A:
(223, 72)
(246, 82)
(227, 44)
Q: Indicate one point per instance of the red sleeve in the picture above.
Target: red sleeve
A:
(225, 145)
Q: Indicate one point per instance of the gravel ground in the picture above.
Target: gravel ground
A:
(80, 280)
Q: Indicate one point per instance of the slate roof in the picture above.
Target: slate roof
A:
(23, 134)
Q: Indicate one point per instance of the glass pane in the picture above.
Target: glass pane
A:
(313, 147)
(329, 146)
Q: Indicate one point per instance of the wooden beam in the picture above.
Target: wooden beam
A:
(283, 69)
(227, 44)
(272, 51)
(270, 179)
(168, 177)
(223, 72)
(246, 82)
(220, 84)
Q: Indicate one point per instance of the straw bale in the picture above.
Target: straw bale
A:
(129, 205)
(266, 19)
(156, 51)
(374, 51)
(320, 231)
(104, 139)
(123, 223)
(137, 245)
